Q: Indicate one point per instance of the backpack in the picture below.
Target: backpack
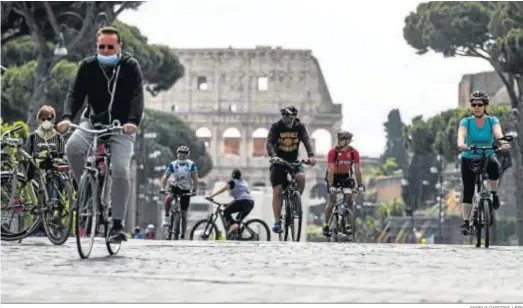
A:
(336, 153)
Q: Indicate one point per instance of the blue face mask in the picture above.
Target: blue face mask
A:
(108, 60)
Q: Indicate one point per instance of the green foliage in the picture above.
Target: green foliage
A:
(390, 167)
(395, 147)
(394, 207)
(173, 132)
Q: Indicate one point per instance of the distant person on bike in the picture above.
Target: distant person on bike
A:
(243, 202)
(283, 143)
(480, 129)
(113, 84)
(340, 174)
(184, 175)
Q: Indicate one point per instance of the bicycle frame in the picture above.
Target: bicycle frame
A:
(94, 168)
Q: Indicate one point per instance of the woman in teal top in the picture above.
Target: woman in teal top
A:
(480, 129)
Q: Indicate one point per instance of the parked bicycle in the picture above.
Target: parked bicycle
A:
(481, 216)
(291, 209)
(342, 224)
(172, 231)
(93, 208)
(246, 231)
(45, 199)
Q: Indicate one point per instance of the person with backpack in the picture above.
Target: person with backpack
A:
(479, 129)
(340, 174)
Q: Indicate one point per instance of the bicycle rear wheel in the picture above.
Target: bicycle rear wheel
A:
(86, 219)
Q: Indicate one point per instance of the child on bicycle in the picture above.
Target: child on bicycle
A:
(243, 202)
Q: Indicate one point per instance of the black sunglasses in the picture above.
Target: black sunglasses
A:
(103, 46)
(48, 119)
(477, 105)
(285, 114)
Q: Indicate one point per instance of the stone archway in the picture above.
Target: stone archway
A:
(205, 135)
(231, 141)
(259, 137)
(321, 141)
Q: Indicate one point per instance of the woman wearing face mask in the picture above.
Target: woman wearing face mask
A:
(45, 133)
(480, 129)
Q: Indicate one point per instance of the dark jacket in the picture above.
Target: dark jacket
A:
(284, 141)
(91, 82)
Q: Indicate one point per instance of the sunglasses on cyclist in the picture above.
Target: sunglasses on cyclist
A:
(285, 114)
(477, 105)
(104, 46)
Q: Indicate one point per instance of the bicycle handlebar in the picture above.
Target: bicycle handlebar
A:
(13, 141)
(345, 190)
(13, 130)
(165, 192)
(292, 165)
(116, 125)
(217, 203)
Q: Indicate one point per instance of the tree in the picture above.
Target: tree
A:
(395, 147)
(161, 69)
(45, 22)
(492, 31)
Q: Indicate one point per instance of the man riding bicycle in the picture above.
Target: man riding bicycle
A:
(340, 161)
(479, 130)
(283, 143)
(184, 175)
(113, 84)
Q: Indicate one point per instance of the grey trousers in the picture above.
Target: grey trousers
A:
(121, 152)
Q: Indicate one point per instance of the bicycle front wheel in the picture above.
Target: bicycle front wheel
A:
(86, 219)
(255, 230)
(58, 219)
(209, 232)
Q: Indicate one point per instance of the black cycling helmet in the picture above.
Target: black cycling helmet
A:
(479, 96)
(290, 110)
(344, 135)
(236, 174)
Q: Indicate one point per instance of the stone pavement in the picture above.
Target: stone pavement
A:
(197, 272)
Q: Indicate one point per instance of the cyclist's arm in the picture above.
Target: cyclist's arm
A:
(462, 132)
(77, 92)
(166, 175)
(272, 138)
(137, 101)
(357, 168)
(330, 167)
(496, 130)
(304, 137)
(194, 174)
(229, 185)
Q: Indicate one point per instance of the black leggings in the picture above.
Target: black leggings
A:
(242, 207)
(468, 177)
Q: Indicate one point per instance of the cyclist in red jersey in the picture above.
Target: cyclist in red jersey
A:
(340, 174)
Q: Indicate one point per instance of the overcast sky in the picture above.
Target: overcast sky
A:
(367, 64)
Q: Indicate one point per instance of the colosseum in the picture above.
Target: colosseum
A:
(231, 96)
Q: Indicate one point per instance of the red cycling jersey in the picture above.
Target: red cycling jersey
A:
(344, 161)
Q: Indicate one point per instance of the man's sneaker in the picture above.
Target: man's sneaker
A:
(495, 201)
(166, 220)
(348, 229)
(117, 235)
(277, 227)
(465, 228)
(326, 231)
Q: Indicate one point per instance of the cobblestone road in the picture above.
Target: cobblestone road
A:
(187, 271)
